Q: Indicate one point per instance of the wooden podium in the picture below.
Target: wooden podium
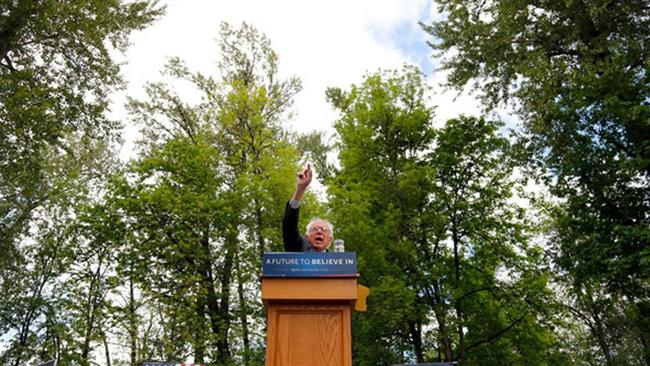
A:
(308, 320)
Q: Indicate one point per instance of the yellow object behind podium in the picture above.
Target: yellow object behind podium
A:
(362, 295)
(309, 320)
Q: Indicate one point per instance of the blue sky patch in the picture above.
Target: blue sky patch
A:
(409, 39)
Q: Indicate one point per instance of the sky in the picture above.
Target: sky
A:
(324, 43)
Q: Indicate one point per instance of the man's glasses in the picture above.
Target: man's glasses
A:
(314, 229)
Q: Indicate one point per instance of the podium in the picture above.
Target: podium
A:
(309, 314)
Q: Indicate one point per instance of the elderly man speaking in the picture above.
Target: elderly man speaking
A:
(319, 231)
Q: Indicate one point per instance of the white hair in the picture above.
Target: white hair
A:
(312, 221)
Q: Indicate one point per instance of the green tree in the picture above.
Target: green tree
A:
(495, 279)
(180, 213)
(210, 188)
(55, 77)
(383, 131)
(90, 281)
(38, 298)
(439, 242)
(578, 74)
(56, 73)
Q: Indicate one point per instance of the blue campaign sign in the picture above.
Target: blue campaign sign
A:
(309, 264)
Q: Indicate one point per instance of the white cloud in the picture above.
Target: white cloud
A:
(325, 43)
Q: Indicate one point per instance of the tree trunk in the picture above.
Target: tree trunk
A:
(199, 334)
(440, 311)
(260, 238)
(643, 309)
(206, 286)
(599, 333)
(106, 350)
(224, 303)
(170, 350)
(243, 311)
(457, 301)
(415, 328)
(218, 308)
(646, 349)
(132, 324)
(31, 313)
(91, 309)
(598, 329)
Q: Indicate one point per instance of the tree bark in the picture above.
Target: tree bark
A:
(415, 328)
(224, 302)
(243, 311)
(646, 349)
(643, 310)
(132, 324)
(457, 301)
(597, 328)
(91, 309)
(31, 313)
(439, 312)
(260, 224)
(199, 338)
(218, 307)
(106, 350)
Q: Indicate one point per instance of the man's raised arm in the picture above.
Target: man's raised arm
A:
(293, 241)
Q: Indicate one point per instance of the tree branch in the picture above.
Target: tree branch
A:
(498, 334)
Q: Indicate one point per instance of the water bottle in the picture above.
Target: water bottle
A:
(339, 246)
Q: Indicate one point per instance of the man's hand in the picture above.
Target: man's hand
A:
(304, 178)
(302, 182)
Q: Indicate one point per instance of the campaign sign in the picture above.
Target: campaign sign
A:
(309, 264)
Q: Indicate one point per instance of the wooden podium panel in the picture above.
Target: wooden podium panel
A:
(308, 321)
(317, 288)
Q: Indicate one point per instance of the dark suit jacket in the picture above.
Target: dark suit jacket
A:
(293, 241)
